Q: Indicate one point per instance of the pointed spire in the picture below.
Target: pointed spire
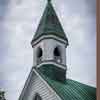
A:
(49, 24)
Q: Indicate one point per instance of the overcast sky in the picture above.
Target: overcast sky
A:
(18, 23)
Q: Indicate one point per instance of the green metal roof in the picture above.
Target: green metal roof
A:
(53, 72)
(49, 24)
(70, 89)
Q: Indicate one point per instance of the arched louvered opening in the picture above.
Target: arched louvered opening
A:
(39, 55)
(57, 54)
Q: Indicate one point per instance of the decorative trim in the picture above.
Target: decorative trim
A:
(46, 83)
(54, 63)
(33, 43)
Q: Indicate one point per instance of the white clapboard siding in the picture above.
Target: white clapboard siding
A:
(36, 85)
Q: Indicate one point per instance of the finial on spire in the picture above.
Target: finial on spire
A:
(49, 0)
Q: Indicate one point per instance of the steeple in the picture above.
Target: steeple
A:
(50, 24)
(49, 46)
(47, 79)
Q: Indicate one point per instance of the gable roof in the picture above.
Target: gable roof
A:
(49, 24)
(70, 89)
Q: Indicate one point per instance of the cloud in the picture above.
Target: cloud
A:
(18, 22)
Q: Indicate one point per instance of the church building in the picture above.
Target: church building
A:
(47, 79)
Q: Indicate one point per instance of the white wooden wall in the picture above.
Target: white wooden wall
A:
(37, 85)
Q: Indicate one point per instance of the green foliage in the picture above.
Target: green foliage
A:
(2, 96)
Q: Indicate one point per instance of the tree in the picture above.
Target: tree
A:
(2, 95)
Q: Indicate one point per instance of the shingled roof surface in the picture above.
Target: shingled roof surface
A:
(69, 89)
(49, 24)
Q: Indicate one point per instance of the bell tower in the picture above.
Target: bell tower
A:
(49, 45)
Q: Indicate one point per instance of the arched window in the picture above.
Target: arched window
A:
(39, 55)
(37, 97)
(57, 54)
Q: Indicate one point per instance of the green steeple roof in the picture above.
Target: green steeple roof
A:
(49, 24)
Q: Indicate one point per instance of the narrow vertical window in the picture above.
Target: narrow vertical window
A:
(57, 54)
(39, 55)
(37, 97)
